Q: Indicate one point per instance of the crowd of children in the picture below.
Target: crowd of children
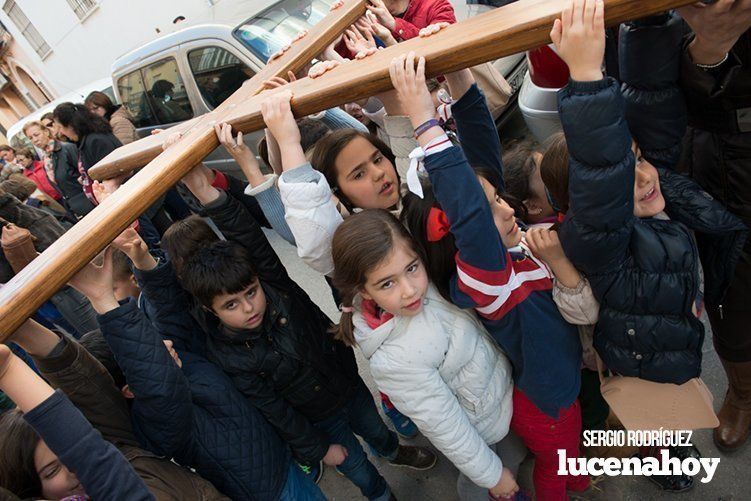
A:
(479, 286)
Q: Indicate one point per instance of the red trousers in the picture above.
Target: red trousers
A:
(543, 436)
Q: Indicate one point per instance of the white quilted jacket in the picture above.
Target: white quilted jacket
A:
(442, 369)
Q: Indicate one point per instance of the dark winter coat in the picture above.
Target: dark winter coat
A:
(65, 161)
(718, 143)
(194, 414)
(291, 368)
(88, 385)
(95, 146)
(644, 271)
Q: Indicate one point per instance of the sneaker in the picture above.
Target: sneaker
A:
(403, 425)
(315, 473)
(418, 458)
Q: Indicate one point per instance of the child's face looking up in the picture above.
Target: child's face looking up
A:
(366, 177)
(648, 199)
(398, 285)
(503, 216)
(241, 310)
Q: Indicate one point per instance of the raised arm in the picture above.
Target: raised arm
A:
(601, 217)
(310, 209)
(455, 185)
(650, 61)
(474, 123)
(68, 366)
(98, 465)
(162, 405)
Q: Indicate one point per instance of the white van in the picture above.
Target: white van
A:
(188, 73)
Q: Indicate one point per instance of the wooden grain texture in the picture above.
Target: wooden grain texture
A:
(506, 30)
(138, 153)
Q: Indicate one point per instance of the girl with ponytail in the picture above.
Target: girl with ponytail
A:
(434, 360)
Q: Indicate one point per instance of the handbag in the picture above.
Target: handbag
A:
(18, 246)
(647, 405)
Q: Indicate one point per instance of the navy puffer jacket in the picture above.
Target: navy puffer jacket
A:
(644, 272)
(194, 414)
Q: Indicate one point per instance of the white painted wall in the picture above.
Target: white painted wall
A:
(83, 51)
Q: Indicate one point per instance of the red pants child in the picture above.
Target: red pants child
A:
(543, 436)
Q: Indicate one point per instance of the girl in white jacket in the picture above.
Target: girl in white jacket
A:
(434, 360)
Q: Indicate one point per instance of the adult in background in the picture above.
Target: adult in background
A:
(61, 168)
(117, 115)
(91, 134)
(9, 163)
(716, 80)
(48, 121)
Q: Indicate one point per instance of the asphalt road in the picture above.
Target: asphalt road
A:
(732, 480)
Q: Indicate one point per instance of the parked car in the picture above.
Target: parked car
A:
(188, 73)
(15, 135)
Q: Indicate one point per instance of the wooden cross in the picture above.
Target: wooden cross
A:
(507, 30)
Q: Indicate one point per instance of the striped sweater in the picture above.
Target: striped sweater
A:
(511, 291)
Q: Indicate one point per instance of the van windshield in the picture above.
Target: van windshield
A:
(272, 29)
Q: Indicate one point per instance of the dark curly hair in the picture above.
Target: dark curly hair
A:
(80, 119)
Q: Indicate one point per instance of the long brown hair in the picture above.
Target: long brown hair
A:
(18, 442)
(554, 170)
(360, 244)
(330, 146)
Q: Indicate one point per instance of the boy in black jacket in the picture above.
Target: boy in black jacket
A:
(274, 342)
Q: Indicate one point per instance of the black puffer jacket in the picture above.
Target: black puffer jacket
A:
(718, 142)
(645, 271)
(292, 369)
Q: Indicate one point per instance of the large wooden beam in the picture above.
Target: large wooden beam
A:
(138, 153)
(504, 31)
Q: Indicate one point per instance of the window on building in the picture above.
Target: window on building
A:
(27, 29)
(155, 95)
(82, 7)
(218, 73)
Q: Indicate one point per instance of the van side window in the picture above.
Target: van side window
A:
(166, 92)
(134, 99)
(155, 95)
(218, 73)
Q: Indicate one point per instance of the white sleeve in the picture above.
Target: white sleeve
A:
(421, 394)
(312, 217)
(402, 141)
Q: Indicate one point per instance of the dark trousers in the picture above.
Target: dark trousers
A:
(360, 417)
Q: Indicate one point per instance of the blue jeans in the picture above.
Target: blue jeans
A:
(299, 486)
(360, 416)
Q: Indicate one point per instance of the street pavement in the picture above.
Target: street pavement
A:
(732, 481)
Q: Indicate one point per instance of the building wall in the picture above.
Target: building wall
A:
(84, 50)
